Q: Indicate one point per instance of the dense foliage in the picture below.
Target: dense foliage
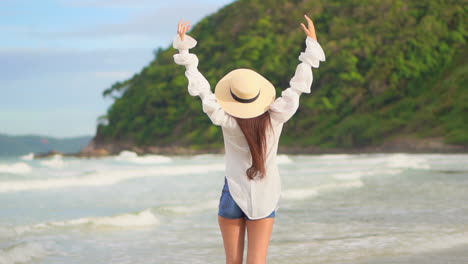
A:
(394, 67)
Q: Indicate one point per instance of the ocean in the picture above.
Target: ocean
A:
(335, 209)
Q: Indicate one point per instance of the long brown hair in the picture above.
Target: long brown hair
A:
(254, 130)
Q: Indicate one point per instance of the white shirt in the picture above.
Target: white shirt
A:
(258, 197)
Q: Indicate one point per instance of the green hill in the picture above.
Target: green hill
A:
(394, 69)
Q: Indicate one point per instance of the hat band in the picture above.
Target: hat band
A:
(241, 100)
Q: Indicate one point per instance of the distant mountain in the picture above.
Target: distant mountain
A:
(396, 71)
(11, 145)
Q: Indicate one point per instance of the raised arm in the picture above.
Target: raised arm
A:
(198, 85)
(284, 107)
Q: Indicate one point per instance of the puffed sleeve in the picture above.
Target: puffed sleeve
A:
(284, 107)
(198, 85)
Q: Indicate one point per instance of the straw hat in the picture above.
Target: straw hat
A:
(244, 93)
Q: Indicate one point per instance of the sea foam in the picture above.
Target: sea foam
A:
(22, 253)
(335, 156)
(304, 193)
(355, 175)
(352, 175)
(187, 209)
(16, 168)
(401, 160)
(130, 156)
(283, 159)
(433, 241)
(106, 177)
(55, 162)
(139, 219)
(29, 156)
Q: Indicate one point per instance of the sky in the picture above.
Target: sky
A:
(58, 56)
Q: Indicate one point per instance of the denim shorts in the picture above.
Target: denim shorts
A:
(228, 208)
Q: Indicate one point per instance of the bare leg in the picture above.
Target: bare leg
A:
(233, 231)
(259, 234)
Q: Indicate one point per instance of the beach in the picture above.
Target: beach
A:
(335, 209)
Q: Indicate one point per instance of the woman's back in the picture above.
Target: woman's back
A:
(263, 192)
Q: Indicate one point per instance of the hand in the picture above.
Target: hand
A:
(311, 30)
(182, 28)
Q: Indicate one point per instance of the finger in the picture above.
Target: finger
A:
(309, 22)
(181, 23)
(305, 29)
(186, 23)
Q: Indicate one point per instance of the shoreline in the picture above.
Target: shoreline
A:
(401, 145)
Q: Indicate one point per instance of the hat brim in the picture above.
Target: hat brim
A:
(245, 110)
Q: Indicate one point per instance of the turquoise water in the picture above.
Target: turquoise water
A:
(376, 208)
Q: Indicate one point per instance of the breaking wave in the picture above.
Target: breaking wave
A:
(139, 219)
(107, 177)
(304, 193)
(22, 253)
(29, 156)
(55, 162)
(187, 209)
(130, 156)
(407, 161)
(283, 159)
(15, 168)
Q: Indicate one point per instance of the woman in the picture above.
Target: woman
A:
(244, 106)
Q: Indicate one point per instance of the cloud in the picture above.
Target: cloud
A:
(18, 64)
(160, 23)
(152, 23)
(109, 3)
(135, 3)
